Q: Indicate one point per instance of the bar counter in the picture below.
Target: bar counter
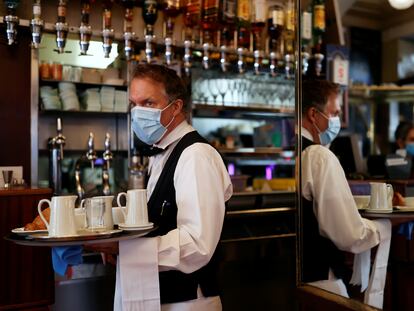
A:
(27, 281)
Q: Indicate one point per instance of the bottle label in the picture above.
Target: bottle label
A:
(260, 10)
(319, 16)
(290, 20)
(278, 17)
(229, 8)
(193, 7)
(107, 19)
(243, 10)
(150, 2)
(61, 10)
(211, 8)
(173, 4)
(37, 11)
(307, 26)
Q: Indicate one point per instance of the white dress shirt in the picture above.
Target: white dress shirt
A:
(202, 187)
(324, 183)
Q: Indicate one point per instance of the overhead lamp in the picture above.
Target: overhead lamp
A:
(401, 4)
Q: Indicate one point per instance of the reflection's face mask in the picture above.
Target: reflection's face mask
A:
(410, 149)
(334, 126)
(146, 124)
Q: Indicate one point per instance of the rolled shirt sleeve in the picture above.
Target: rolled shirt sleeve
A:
(324, 182)
(202, 187)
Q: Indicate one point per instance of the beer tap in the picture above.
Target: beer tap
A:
(56, 145)
(107, 157)
(240, 63)
(89, 157)
(149, 14)
(206, 56)
(187, 57)
(85, 30)
(129, 35)
(61, 26)
(91, 154)
(107, 31)
(36, 24)
(12, 21)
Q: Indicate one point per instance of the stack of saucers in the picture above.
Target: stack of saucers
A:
(50, 98)
(91, 100)
(68, 96)
(121, 101)
(107, 98)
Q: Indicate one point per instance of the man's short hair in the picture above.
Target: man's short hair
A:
(403, 129)
(315, 93)
(174, 86)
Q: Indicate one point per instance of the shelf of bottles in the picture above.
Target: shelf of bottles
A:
(239, 35)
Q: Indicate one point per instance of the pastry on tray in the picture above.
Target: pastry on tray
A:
(38, 223)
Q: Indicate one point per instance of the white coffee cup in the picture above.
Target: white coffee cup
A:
(107, 201)
(409, 201)
(362, 201)
(381, 196)
(80, 218)
(136, 207)
(118, 214)
(62, 215)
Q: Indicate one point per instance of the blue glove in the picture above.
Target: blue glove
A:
(406, 230)
(62, 256)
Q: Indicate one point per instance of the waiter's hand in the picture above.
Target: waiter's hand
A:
(108, 251)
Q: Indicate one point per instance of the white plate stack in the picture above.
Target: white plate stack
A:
(50, 98)
(67, 92)
(121, 101)
(107, 98)
(91, 99)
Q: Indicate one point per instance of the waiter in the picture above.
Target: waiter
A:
(331, 221)
(187, 189)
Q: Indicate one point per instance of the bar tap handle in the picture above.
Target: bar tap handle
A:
(79, 189)
(223, 58)
(91, 154)
(107, 156)
(206, 56)
(60, 140)
(273, 64)
(187, 57)
(36, 24)
(289, 59)
(148, 48)
(318, 63)
(240, 62)
(168, 51)
(257, 60)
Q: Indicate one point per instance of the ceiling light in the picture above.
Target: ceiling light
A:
(401, 4)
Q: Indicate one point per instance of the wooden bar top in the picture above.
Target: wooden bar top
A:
(24, 191)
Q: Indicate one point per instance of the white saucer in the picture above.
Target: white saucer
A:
(376, 210)
(404, 208)
(126, 227)
(21, 231)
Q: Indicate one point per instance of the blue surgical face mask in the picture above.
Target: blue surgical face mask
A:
(146, 124)
(410, 149)
(334, 126)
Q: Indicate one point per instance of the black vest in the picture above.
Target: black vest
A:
(319, 253)
(176, 286)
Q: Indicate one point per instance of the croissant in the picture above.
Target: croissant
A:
(38, 223)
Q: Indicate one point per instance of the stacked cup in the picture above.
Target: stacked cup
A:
(67, 91)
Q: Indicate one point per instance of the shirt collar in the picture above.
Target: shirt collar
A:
(176, 134)
(307, 134)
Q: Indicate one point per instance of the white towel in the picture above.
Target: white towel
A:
(374, 295)
(137, 282)
(361, 269)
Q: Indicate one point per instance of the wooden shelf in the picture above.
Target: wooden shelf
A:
(83, 84)
(82, 113)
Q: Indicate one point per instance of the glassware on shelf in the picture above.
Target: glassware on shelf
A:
(107, 31)
(36, 24)
(171, 9)
(85, 30)
(213, 88)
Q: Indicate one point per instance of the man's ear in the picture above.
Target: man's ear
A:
(311, 114)
(178, 107)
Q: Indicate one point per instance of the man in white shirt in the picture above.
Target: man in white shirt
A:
(331, 221)
(187, 191)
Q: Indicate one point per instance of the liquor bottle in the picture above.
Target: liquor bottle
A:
(61, 26)
(107, 31)
(258, 19)
(319, 27)
(85, 30)
(11, 20)
(306, 38)
(227, 20)
(209, 25)
(244, 9)
(171, 9)
(129, 35)
(276, 27)
(36, 24)
(149, 15)
(289, 38)
(191, 19)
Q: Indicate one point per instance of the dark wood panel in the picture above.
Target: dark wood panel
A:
(27, 281)
(15, 103)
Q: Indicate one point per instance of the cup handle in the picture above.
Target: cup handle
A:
(118, 198)
(390, 193)
(82, 204)
(40, 211)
